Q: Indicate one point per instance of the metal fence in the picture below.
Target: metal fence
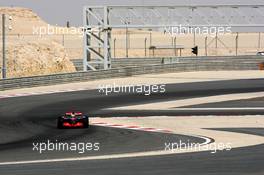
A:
(138, 43)
(141, 43)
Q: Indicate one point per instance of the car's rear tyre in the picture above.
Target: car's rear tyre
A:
(59, 123)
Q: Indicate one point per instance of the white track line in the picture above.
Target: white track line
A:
(207, 140)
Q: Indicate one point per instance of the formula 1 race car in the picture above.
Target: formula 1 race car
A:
(73, 120)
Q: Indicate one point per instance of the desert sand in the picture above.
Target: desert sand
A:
(29, 55)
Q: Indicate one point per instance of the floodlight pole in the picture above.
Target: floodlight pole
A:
(4, 53)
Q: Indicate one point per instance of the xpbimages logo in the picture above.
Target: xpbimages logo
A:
(138, 89)
(199, 30)
(189, 146)
(80, 147)
(56, 30)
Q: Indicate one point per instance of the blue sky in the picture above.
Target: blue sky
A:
(60, 11)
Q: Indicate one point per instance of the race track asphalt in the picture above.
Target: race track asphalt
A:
(29, 119)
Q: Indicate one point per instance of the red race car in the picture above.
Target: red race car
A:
(73, 120)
